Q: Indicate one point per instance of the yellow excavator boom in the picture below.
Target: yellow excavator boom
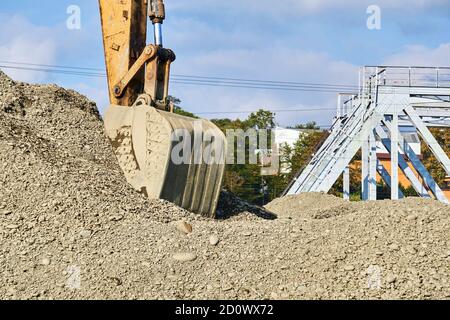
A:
(163, 155)
(124, 25)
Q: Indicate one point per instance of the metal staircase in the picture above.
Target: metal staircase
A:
(385, 100)
(342, 144)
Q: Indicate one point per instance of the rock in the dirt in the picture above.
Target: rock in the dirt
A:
(185, 256)
(184, 227)
(227, 288)
(422, 254)
(214, 240)
(349, 268)
(116, 217)
(45, 261)
(85, 234)
(391, 279)
(411, 250)
(394, 247)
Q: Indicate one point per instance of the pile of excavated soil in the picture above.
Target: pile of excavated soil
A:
(72, 228)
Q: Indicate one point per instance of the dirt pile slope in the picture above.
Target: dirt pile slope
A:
(373, 249)
(71, 227)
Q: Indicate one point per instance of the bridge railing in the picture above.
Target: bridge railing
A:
(430, 77)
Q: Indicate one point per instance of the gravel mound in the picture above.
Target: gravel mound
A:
(309, 205)
(72, 228)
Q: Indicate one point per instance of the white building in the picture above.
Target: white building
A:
(283, 137)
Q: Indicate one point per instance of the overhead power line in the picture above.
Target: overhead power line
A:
(191, 82)
(287, 83)
(67, 72)
(271, 110)
(50, 66)
(189, 79)
(196, 80)
(186, 77)
(250, 86)
(213, 83)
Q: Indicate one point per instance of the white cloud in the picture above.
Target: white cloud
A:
(21, 41)
(247, 53)
(19, 49)
(270, 63)
(299, 7)
(243, 54)
(418, 55)
(206, 49)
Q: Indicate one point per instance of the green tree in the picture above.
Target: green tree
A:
(304, 150)
(245, 180)
(177, 108)
(261, 119)
(309, 125)
(433, 165)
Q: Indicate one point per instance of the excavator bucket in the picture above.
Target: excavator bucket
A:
(167, 156)
(163, 155)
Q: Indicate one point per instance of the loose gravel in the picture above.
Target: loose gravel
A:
(72, 228)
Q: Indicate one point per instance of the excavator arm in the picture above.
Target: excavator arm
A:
(144, 131)
(124, 25)
(132, 66)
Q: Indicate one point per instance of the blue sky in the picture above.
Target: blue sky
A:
(314, 41)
